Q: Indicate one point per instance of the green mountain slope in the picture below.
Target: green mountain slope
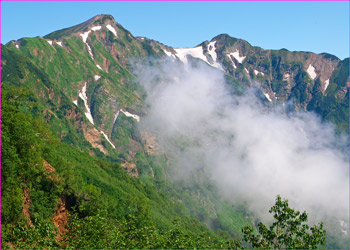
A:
(43, 178)
(71, 141)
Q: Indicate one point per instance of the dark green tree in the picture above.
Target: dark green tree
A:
(288, 231)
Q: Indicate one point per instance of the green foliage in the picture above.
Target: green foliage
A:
(41, 97)
(299, 91)
(42, 235)
(226, 39)
(329, 56)
(287, 231)
(146, 45)
(23, 143)
(341, 74)
(279, 87)
(102, 233)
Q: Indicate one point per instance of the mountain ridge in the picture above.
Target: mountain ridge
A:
(101, 19)
(283, 75)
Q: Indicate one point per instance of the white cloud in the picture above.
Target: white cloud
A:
(250, 154)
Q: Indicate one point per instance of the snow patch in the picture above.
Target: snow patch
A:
(168, 53)
(116, 116)
(98, 66)
(171, 55)
(126, 113)
(49, 42)
(82, 95)
(112, 29)
(96, 28)
(90, 51)
(327, 83)
(245, 69)
(268, 97)
(212, 53)
(237, 57)
(211, 49)
(233, 63)
(107, 139)
(196, 52)
(311, 72)
(85, 35)
(59, 43)
(96, 77)
(75, 102)
(257, 72)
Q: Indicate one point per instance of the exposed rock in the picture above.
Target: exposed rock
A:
(151, 145)
(50, 171)
(26, 204)
(130, 167)
(60, 220)
(93, 136)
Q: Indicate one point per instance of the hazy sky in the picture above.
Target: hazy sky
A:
(316, 26)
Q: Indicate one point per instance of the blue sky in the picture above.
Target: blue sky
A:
(297, 26)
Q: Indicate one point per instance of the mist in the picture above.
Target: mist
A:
(249, 152)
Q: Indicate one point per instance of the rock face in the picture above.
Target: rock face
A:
(85, 69)
(60, 219)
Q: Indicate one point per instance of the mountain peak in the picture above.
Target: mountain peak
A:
(101, 19)
(222, 36)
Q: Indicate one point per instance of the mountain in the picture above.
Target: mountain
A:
(311, 81)
(77, 85)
